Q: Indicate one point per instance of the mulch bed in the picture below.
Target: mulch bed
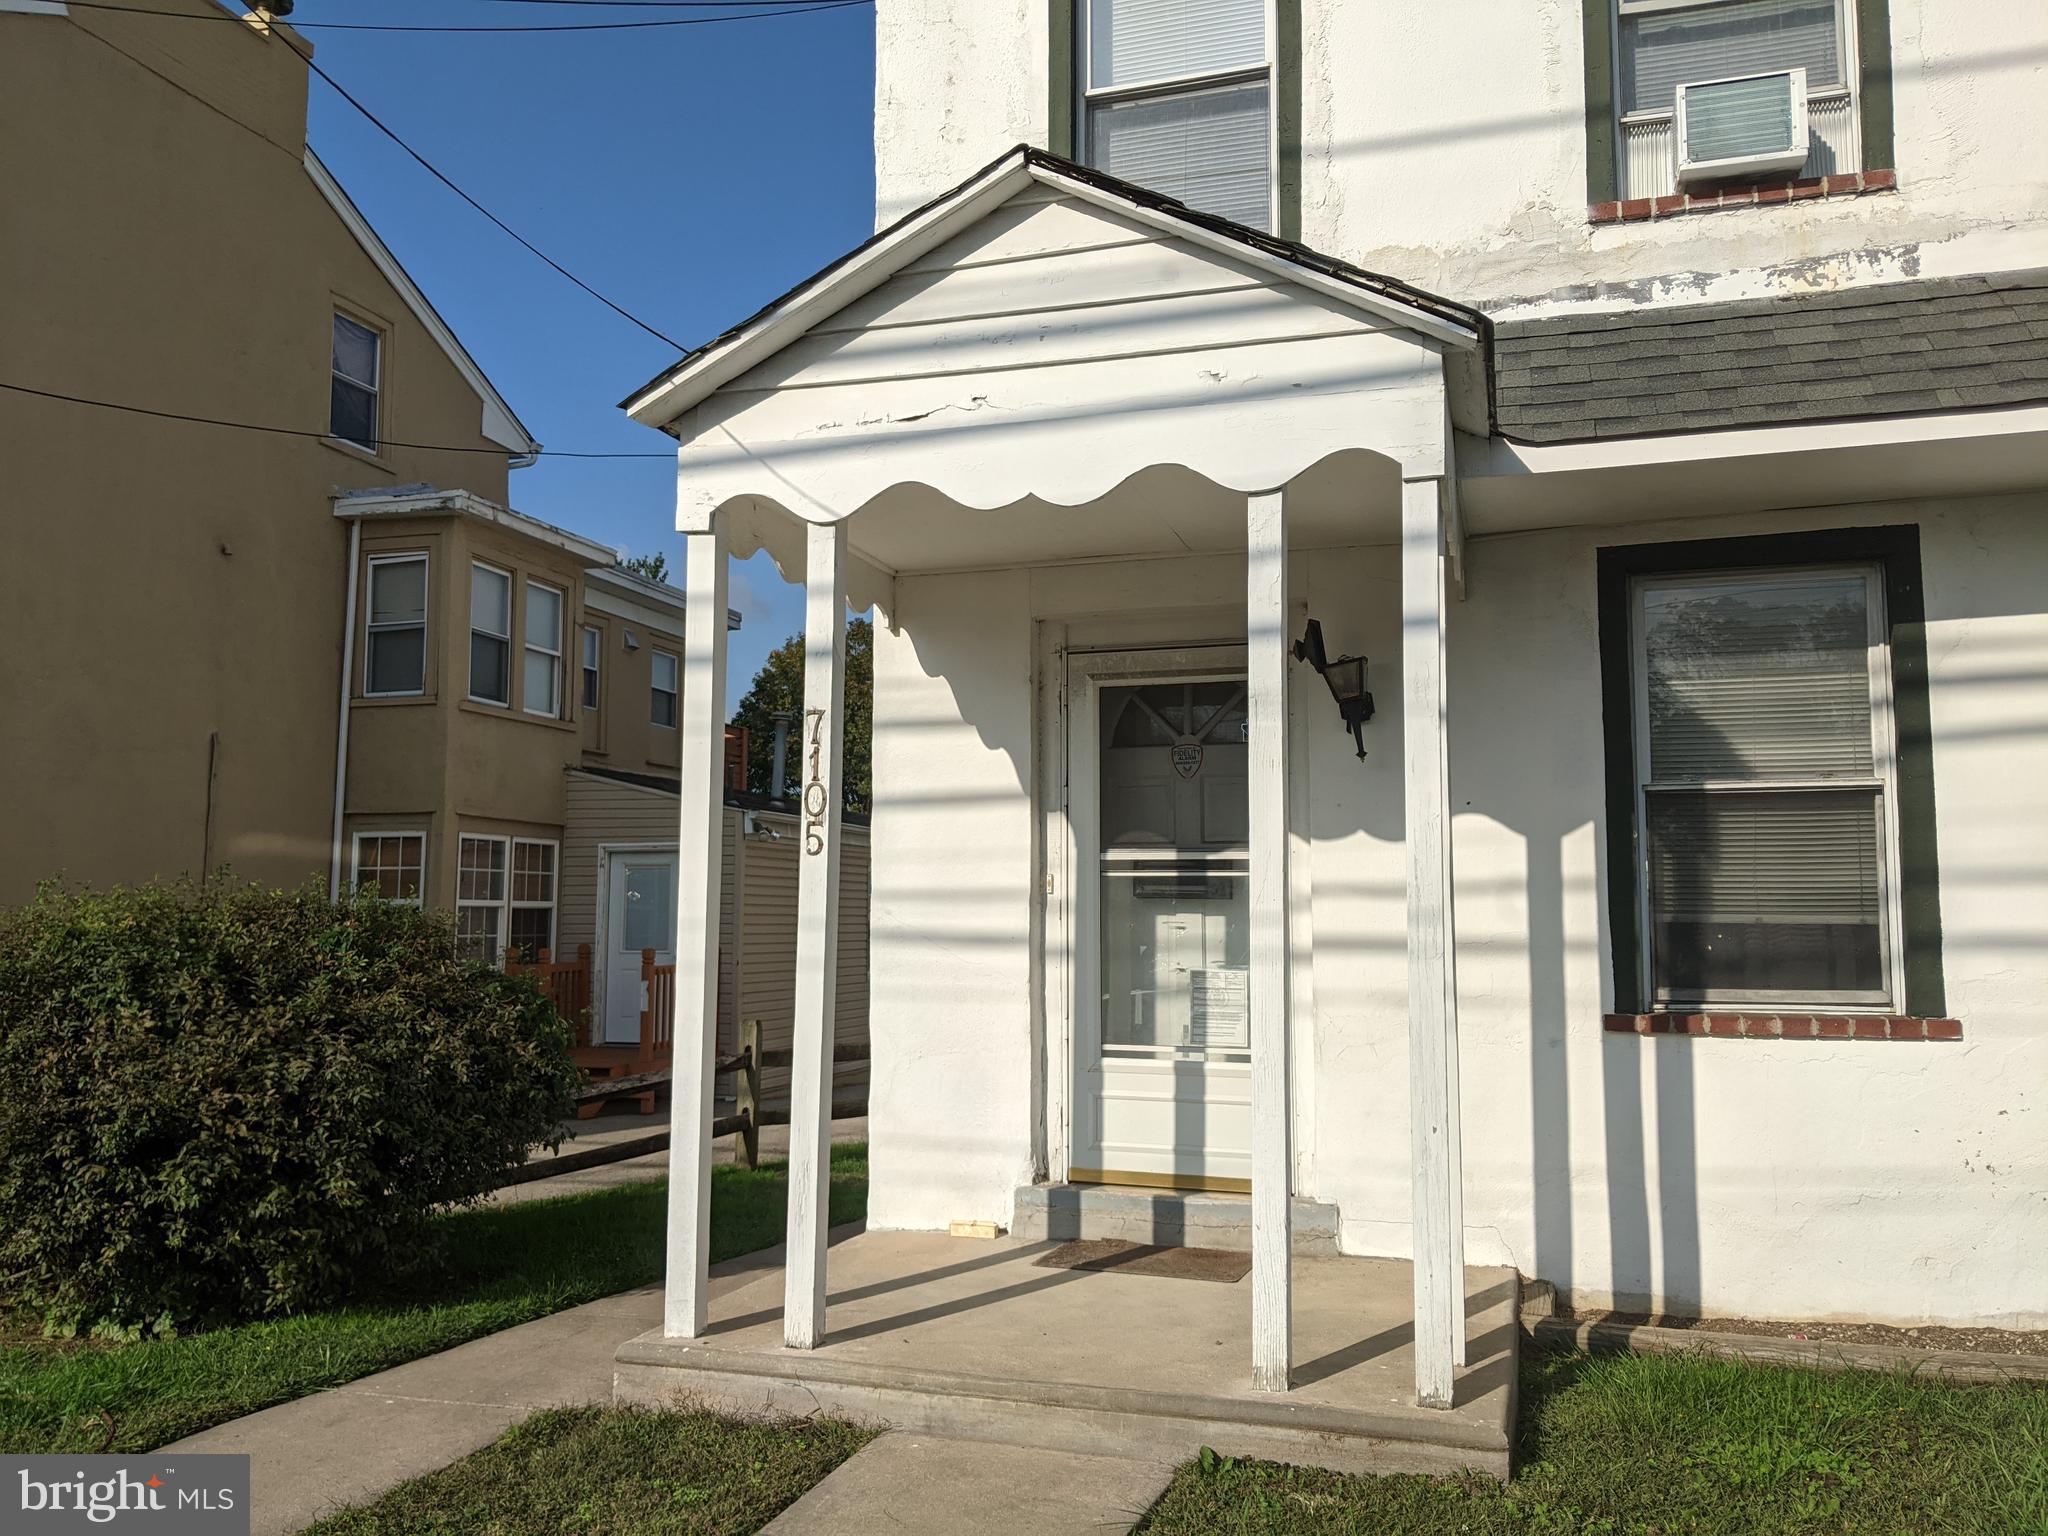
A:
(2003, 1341)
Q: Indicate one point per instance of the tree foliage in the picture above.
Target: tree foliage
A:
(779, 685)
(654, 567)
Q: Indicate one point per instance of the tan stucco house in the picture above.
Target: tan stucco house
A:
(316, 652)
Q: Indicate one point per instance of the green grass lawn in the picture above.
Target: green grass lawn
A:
(498, 1266)
(614, 1471)
(1661, 1445)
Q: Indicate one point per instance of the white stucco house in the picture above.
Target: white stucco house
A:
(1654, 393)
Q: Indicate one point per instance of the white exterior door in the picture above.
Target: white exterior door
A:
(1162, 1050)
(641, 914)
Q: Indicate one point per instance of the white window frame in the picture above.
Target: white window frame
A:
(374, 385)
(1883, 781)
(418, 897)
(654, 687)
(500, 904)
(469, 659)
(1847, 46)
(552, 906)
(590, 668)
(528, 647)
(1086, 95)
(371, 627)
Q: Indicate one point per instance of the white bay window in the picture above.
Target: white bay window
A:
(1177, 96)
(1766, 790)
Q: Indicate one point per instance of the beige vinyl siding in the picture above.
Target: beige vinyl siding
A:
(602, 811)
(768, 951)
(760, 876)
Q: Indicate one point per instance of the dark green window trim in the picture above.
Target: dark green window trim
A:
(1063, 74)
(1874, 82)
(1873, 92)
(1896, 550)
(1603, 177)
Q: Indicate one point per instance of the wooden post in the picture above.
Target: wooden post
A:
(645, 1055)
(701, 797)
(1266, 659)
(1431, 1000)
(817, 938)
(583, 993)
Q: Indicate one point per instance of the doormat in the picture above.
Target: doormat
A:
(1112, 1255)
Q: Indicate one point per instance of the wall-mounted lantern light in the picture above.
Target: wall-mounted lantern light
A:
(1346, 677)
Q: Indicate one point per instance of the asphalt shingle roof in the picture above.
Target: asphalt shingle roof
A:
(1891, 349)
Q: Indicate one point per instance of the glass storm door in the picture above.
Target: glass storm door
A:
(641, 915)
(1163, 1049)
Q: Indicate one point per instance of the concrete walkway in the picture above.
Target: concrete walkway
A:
(614, 1129)
(351, 1444)
(916, 1485)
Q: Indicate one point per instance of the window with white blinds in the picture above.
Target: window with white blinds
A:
(1766, 789)
(1177, 97)
(1665, 47)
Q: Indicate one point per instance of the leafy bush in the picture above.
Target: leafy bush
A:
(227, 1102)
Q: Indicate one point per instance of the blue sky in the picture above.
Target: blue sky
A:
(690, 173)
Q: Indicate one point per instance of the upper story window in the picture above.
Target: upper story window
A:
(1766, 789)
(662, 706)
(490, 635)
(395, 649)
(542, 683)
(352, 400)
(593, 648)
(1177, 96)
(1741, 49)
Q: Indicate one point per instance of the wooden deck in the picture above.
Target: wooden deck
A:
(567, 984)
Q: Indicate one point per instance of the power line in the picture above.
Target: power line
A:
(805, 9)
(251, 426)
(432, 170)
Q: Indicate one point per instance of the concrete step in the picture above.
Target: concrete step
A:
(1169, 1217)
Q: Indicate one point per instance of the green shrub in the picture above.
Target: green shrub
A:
(226, 1102)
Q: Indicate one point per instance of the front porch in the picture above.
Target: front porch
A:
(972, 1339)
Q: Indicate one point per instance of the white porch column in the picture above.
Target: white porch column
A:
(1432, 989)
(700, 768)
(817, 937)
(1266, 657)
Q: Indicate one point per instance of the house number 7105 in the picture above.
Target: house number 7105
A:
(815, 798)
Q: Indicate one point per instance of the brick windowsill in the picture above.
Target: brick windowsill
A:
(1784, 1026)
(1641, 210)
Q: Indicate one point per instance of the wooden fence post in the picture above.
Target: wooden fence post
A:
(747, 1090)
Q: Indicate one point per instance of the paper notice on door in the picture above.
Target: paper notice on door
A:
(1219, 1014)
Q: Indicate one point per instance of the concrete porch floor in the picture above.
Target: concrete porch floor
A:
(966, 1338)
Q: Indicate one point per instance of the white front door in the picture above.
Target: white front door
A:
(1162, 1091)
(641, 915)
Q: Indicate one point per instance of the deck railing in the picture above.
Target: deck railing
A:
(566, 984)
(657, 1011)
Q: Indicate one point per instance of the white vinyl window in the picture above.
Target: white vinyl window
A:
(1660, 45)
(531, 924)
(1766, 794)
(662, 706)
(593, 650)
(1177, 96)
(542, 683)
(395, 640)
(480, 898)
(352, 396)
(490, 635)
(393, 864)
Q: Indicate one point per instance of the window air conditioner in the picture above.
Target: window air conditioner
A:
(1747, 125)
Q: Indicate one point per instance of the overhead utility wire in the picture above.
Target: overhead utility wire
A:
(251, 426)
(432, 170)
(561, 26)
